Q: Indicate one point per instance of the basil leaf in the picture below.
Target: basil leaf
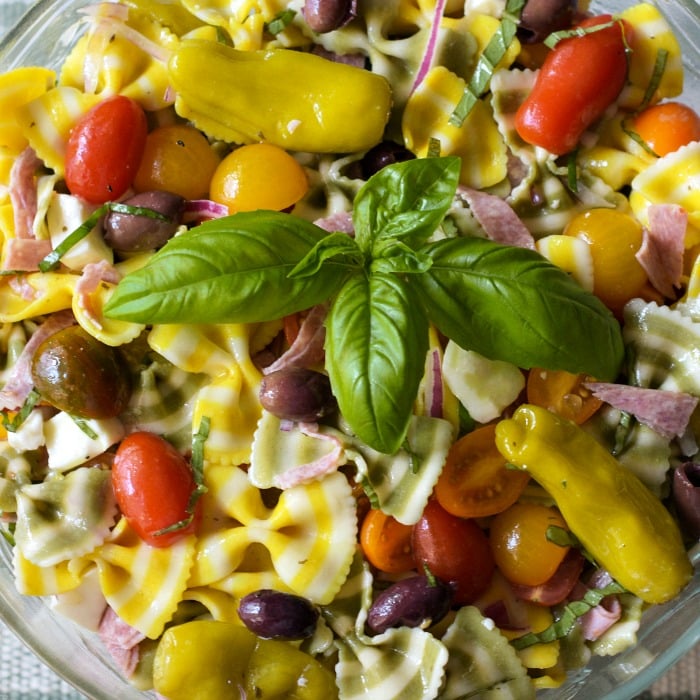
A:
(407, 200)
(334, 245)
(512, 304)
(376, 342)
(229, 270)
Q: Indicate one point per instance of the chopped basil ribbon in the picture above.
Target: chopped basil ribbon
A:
(569, 614)
(51, 261)
(13, 424)
(7, 531)
(197, 465)
(383, 287)
(82, 424)
(555, 37)
(493, 53)
(280, 21)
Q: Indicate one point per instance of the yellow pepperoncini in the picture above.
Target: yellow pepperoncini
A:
(206, 659)
(292, 99)
(616, 517)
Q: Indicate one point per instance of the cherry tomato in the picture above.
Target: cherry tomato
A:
(520, 546)
(104, 150)
(562, 393)
(614, 239)
(667, 126)
(153, 483)
(454, 550)
(386, 543)
(475, 481)
(578, 81)
(177, 158)
(258, 176)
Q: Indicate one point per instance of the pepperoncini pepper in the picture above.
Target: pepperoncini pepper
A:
(615, 516)
(211, 660)
(292, 99)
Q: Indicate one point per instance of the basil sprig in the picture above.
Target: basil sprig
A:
(383, 286)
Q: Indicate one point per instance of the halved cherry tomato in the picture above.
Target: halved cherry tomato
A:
(386, 543)
(104, 150)
(153, 484)
(258, 176)
(667, 126)
(454, 550)
(578, 81)
(562, 393)
(520, 546)
(475, 481)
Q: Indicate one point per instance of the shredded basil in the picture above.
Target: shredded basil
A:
(623, 432)
(384, 288)
(7, 533)
(13, 424)
(280, 21)
(555, 37)
(567, 619)
(83, 425)
(434, 147)
(493, 53)
(51, 261)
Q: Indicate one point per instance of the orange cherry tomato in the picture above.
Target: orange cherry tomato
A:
(667, 126)
(614, 239)
(258, 176)
(386, 543)
(177, 158)
(519, 543)
(104, 150)
(153, 484)
(475, 481)
(562, 393)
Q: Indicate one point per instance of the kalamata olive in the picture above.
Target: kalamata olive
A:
(131, 233)
(685, 488)
(409, 603)
(76, 373)
(297, 394)
(326, 15)
(379, 156)
(276, 615)
(540, 18)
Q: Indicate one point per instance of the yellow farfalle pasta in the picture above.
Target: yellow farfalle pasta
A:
(477, 141)
(35, 294)
(673, 179)
(143, 584)
(571, 254)
(230, 400)
(31, 579)
(306, 541)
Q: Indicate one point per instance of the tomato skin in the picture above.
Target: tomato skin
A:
(578, 81)
(153, 483)
(104, 150)
(667, 126)
(562, 393)
(519, 543)
(454, 550)
(475, 481)
(386, 543)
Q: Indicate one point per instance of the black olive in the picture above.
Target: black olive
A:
(297, 394)
(276, 615)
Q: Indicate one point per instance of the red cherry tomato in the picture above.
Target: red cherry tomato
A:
(153, 483)
(454, 550)
(578, 81)
(104, 150)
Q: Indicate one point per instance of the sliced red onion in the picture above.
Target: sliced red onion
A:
(429, 53)
(685, 489)
(197, 209)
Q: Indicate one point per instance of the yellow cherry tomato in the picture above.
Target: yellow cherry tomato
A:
(614, 238)
(258, 176)
(178, 158)
(520, 546)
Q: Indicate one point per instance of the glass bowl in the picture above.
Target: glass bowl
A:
(44, 37)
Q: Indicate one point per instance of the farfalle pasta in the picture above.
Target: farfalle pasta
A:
(307, 374)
